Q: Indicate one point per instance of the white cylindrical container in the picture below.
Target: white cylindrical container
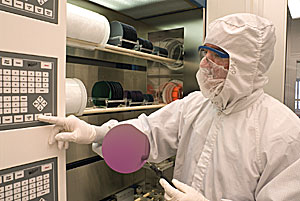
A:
(87, 25)
(76, 96)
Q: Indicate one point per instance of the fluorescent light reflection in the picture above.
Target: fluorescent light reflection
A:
(119, 5)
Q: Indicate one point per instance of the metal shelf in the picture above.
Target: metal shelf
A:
(118, 50)
(90, 111)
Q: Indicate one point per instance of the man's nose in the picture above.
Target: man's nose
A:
(209, 55)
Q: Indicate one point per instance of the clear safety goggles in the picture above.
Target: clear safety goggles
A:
(214, 53)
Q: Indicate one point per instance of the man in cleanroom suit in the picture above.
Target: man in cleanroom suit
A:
(232, 141)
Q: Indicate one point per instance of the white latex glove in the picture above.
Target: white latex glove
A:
(70, 129)
(182, 193)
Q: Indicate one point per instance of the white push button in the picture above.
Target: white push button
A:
(29, 117)
(6, 61)
(29, 7)
(7, 90)
(7, 2)
(23, 90)
(6, 120)
(40, 108)
(18, 62)
(6, 72)
(23, 79)
(15, 90)
(38, 74)
(23, 98)
(32, 196)
(45, 74)
(31, 90)
(44, 103)
(24, 110)
(46, 167)
(8, 193)
(19, 174)
(46, 65)
(7, 78)
(18, 118)
(32, 180)
(48, 12)
(18, 4)
(15, 110)
(7, 98)
(38, 10)
(17, 196)
(17, 190)
(10, 198)
(42, 90)
(15, 72)
(39, 178)
(17, 185)
(25, 182)
(6, 111)
(8, 187)
(30, 73)
(25, 188)
(41, 193)
(6, 84)
(7, 104)
(8, 177)
(15, 104)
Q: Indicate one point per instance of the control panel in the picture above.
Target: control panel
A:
(27, 89)
(34, 181)
(45, 10)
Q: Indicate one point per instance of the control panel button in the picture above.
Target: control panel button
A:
(46, 167)
(18, 118)
(29, 7)
(8, 177)
(48, 13)
(18, 4)
(29, 117)
(38, 10)
(7, 2)
(6, 61)
(19, 174)
(46, 65)
(7, 119)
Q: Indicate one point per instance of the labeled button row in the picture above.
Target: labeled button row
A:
(23, 73)
(29, 7)
(6, 61)
(24, 90)
(21, 118)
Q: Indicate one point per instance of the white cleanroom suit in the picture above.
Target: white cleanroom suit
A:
(241, 144)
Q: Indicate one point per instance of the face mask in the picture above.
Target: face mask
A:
(211, 78)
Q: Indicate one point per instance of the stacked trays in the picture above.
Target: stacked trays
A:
(160, 51)
(121, 33)
(145, 45)
(137, 97)
(104, 91)
(148, 98)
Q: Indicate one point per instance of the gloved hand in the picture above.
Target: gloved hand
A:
(70, 129)
(182, 193)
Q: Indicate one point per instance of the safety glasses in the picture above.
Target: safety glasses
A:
(216, 53)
